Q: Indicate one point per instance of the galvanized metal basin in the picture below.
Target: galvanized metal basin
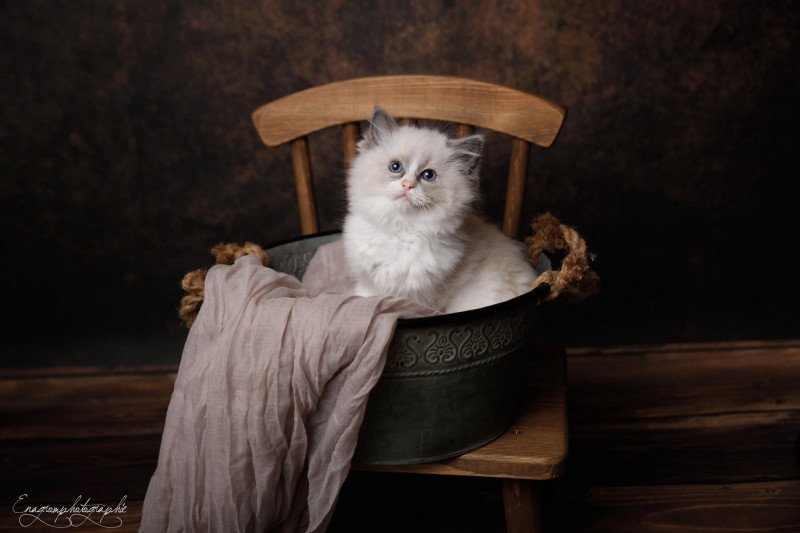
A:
(451, 382)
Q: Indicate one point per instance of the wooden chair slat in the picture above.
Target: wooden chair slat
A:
(303, 179)
(486, 105)
(350, 132)
(515, 192)
(462, 130)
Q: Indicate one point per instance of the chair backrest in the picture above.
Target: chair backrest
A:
(526, 117)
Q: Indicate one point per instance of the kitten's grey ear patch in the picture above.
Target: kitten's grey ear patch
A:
(382, 121)
(379, 127)
(472, 144)
(467, 150)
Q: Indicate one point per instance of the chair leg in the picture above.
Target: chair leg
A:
(522, 506)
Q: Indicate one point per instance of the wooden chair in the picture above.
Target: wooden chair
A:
(535, 448)
(526, 117)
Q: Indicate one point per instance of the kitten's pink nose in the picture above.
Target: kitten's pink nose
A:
(408, 184)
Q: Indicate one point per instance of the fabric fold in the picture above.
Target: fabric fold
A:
(268, 401)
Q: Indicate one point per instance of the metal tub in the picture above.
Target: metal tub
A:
(451, 382)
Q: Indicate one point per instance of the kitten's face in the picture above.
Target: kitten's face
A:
(412, 175)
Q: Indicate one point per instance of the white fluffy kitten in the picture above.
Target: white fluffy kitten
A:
(411, 230)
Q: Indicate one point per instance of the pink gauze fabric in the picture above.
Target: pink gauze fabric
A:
(269, 398)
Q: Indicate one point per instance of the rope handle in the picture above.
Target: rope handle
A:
(575, 280)
(194, 282)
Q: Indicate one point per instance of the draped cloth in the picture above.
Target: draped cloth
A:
(268, 401)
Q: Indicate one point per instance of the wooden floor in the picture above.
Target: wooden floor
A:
(699, 437)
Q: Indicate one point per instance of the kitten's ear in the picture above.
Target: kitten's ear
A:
(466, 151)
(380, 126)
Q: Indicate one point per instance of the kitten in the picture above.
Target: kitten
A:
(411, 231)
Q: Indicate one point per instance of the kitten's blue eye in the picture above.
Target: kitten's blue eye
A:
(428, 174)
(395, 167)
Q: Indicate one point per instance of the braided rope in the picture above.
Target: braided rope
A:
(194, 282)
(575, 279)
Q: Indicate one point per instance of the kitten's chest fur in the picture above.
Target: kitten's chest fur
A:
(401, 262)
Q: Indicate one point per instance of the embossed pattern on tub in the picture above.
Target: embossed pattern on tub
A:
(435, 351)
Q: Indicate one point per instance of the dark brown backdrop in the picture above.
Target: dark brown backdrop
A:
(127, 151)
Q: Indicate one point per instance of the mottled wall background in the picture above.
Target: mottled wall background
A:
(127, 151)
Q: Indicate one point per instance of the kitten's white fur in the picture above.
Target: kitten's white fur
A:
(422, 240)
